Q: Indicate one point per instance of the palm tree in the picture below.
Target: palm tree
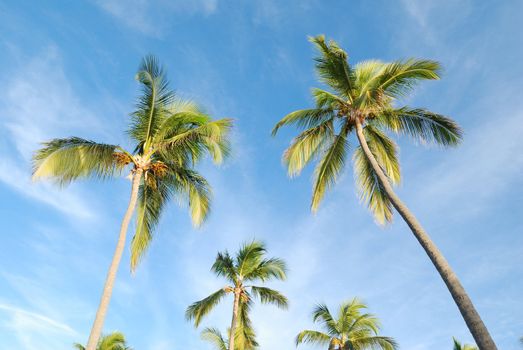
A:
(458, 346)
(245, 339)
(362, 99)
(352, 329)
(113, 341)
(170, 136)
(249, 266)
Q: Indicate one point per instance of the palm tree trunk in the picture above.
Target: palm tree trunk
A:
(96, 330)
(234, 320)
(462, 300)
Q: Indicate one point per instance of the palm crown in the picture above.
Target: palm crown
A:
(365, 93)
(459, 346)
(353, 329)
(113, 341)
(249, 266)
(170, 136)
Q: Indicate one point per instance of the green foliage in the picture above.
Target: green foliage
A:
(458, 346)
(351, 329)
(65, 160)
(366, 93)
(171, 136)
(113, 341)
(250, 264)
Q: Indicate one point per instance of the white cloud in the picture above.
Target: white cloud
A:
(37, 104)
(153, 19)
(32, 329)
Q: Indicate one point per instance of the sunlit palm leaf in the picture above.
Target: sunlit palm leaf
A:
(270, 296)
(329, 167)
(332, 66)
(200, 309)
(421, 125)
(152, 107)
(306, 145)
(313, 337)
(215, 337)
(370, 190)
(305, 118)
(65, 160)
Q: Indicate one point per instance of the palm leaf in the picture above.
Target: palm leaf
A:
(65, 160)
(329, 167)
(267, 269)
(370, 189)
(332, 66)
(420, 124)
(224, 266)
(304, 147)
(270, 296)
(372, 343)
(305, 118)
(197, 310)
(215, 337)
(321, 313)
(152, 107)
(249, 257)
(151, 200)
(313, 337)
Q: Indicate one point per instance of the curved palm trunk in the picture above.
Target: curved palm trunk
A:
(462, 300)
(234, 320)
(96, 330)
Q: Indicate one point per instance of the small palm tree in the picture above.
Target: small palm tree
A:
(245, 339)
(113, 341)
(352, 329)
(249, 266)
(458, 346)
(363, 100)
(170, 136)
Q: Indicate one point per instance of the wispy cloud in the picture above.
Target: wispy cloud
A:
(153, 18)
(37, 104)
(32, 329)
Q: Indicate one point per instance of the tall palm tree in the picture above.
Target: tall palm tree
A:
(249, 266)
(113, 341)
(352, 329)
(170, 135)
(245, 339)
(363, 99)
(458, 346)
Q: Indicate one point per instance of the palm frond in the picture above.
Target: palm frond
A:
(65, 160)
(400, 77)
(370, 189)
(195, 188)
(245, 335)
(422, 125)
(214, 336)
(329, 167)
(332, 66)
(152, 196)
(321, 313)
(78, 346)
(152, 106)
(267, 269)
(313, 337)
(325, 99)
(224, 266)
(305, 118)
(200, 309)
(270, 296)
(385, 151)
(373, 343)
(306, 145)
(249, 257)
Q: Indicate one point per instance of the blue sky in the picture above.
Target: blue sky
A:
(68, 68)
